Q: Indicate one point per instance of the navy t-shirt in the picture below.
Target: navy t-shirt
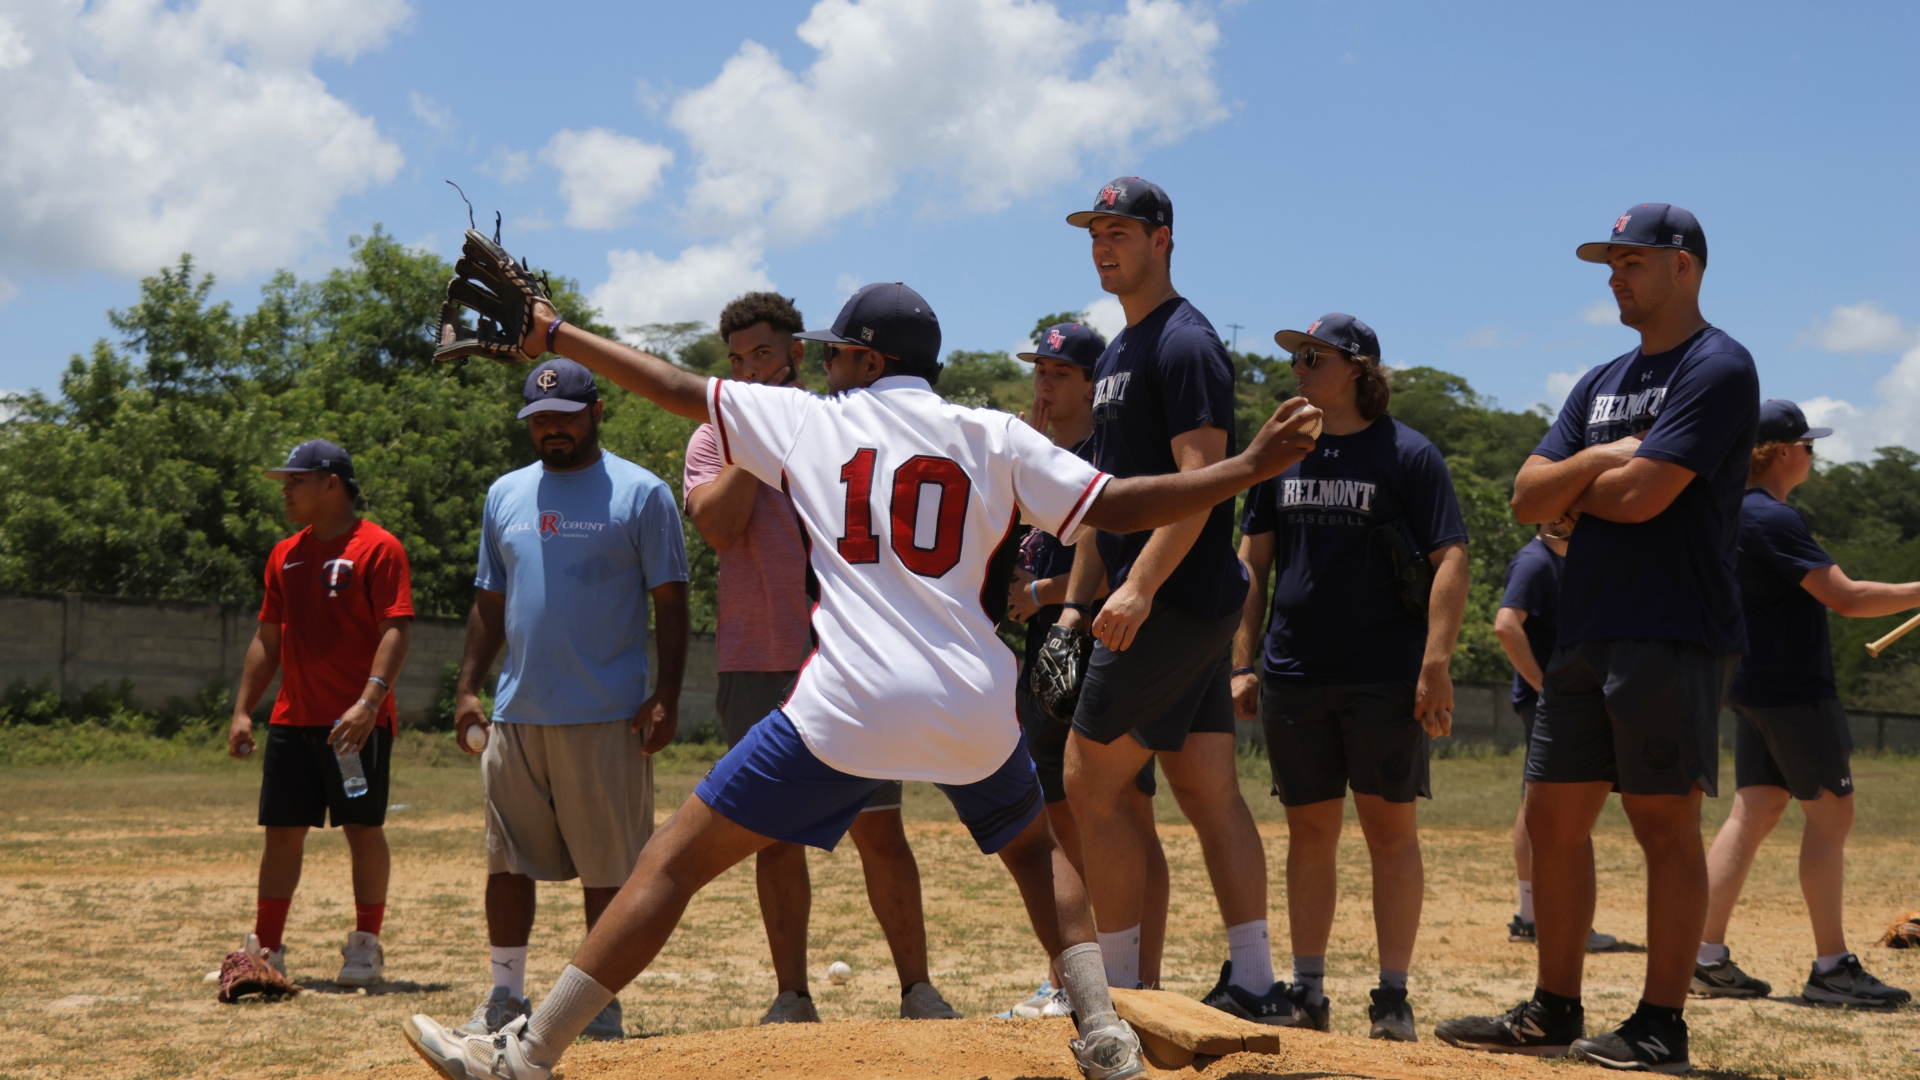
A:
(1788, 661)
(1041, 553)
(1164, 376)
(1337, 616)
(1671, 577)
(1533, 586)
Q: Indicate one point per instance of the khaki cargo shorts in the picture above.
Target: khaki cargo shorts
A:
(567, 801)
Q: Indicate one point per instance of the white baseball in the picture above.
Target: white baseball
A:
(838, 973)
(475, 738)
(1312, 430)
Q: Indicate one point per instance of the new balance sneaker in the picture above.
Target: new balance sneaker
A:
(1850, 984)
(1391, 1015)
(607, 1025)
(1723, 978)
(923, 1002)
(1528, 1028)
(363, 961)
(459, 1056)
(791, 1008)
(497, 1011)
(1641, 1044)
(1109, 1052)
(1274, 1007)
(1526, 933)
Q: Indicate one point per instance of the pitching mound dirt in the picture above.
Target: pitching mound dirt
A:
(975, 1049)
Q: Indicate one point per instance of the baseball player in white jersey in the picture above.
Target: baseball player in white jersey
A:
(904, 498)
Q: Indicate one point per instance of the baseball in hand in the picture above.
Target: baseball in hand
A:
(475, 738)
(838, 973)
(1312, 430)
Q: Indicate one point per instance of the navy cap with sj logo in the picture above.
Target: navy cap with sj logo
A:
(559, 385)
(888, 318)
(1128, 197)
(1651, 225)
(1069, 341)
(1782, 421)
(1342, 332)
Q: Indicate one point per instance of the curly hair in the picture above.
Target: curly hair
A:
(1764, 455)
(761, 307)
(1374, 389)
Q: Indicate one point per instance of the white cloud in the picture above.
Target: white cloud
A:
(1558, 385)
(1107, 316)
(1893, 419)
(135, 131)
(507, 166)
(430, 112)
(1600, 313)
(980, 92)
(604, 175)
(1861, 327)
(643, 288)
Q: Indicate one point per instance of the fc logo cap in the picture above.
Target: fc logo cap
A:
(559, 385)
(1651, 225)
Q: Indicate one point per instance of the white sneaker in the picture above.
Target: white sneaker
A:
(364, 960)
(455, 1056)
(1058, 1004)
(275, 958)
(608, 1024)
(1109, 1052)
(791, 1008)
(1030, 1008)
(497, 1011)
(923, 1002)
(1599, 942)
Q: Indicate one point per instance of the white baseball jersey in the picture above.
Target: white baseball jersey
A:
(904, 498)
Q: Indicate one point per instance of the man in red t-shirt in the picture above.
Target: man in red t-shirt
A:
(334, 624)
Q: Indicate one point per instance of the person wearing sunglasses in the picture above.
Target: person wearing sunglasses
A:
(1791, 740)
(1354, 678)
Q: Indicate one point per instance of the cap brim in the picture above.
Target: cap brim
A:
(1030, 357)
(1601, 251)
(826, 336)
(1291, 340)
(552, 405)
(1084, 218)
(282, 472)
(1817, 433)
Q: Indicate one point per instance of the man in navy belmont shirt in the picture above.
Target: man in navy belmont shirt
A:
(1157, 684)
(1650, 456)
(1791, 739)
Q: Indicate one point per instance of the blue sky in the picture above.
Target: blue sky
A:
(1429, 168)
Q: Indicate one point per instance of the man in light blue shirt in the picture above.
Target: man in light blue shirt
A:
(571, 549)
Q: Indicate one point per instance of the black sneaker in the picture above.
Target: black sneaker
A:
(1522, 931)
(1273, 1008)
(1849, 984)
(1391, 1015)
(1639, 1045)
(1316, 1015)
(1528, 1028)
(1723, 978)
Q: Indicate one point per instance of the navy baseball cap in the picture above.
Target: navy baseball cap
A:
(316, 455)
(1651, 225)
(1782, 421)
(1068, 341)
(1336, 331)
(559, 385)
(1128, 197)
(888, 318)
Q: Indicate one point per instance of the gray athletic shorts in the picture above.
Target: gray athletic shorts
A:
(1171, 681)
(1643, 715)
(744, 698)
(567, 801)
(1322, 738)
(1803, 748)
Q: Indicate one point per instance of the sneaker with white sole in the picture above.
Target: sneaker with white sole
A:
(275, 958)
(1030, 1008)
(1059, 1004)
(459, 1056)
(253, 970)
(1109, 1052)
(791, 1008)
(1391, 1016)
(497, 1011)
(923, 1002)
(1528, 1028)
(1525, 933)
(1723, 978)
(363, 960)
(608, 1025)
(1640, 1044)
(1274, 1008)
(1850, 984)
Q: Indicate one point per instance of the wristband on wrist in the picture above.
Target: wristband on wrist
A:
(1239, 671)
(552, 329)
(1033, 592)
(367, 705)
(1071, 606)
(383, 683)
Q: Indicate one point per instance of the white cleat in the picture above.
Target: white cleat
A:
(455, 1056)
(1109, 1052)
(364, 961)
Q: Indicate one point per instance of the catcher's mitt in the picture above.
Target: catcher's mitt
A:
(1904, 933)
(245, 972)
(500, 292)
(1060, 669)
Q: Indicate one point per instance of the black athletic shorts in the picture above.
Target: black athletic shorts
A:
(1047, 742)
(1526, 737)
(1643, 715)
(300, 779)
(1803, 748)
(1320, 739)
(1173, 679)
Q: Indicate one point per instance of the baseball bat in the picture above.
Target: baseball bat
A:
(1875, 648)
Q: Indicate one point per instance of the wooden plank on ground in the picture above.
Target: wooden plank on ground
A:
(1188, 1024)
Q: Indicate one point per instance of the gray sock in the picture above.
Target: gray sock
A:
(1393, 980)
(569, 1007)
(1084, 975)
(1311, 972)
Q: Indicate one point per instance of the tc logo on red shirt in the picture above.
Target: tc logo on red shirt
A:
(337, 574)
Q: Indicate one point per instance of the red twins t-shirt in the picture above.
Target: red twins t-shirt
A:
(329, 599)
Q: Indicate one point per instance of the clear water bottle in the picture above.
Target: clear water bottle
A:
(353, 776)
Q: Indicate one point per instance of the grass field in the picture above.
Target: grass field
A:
(125, 882)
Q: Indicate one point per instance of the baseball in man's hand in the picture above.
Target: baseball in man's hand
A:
(1312, 430)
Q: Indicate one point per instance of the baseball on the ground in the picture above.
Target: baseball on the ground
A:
(475, 738)
(838, 972)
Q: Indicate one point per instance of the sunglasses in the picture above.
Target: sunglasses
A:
(1309, 357)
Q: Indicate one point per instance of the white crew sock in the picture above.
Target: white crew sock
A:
(508, 967)
(570, 1006)
(1712, 954)
(1311, 972)
(1121, 953)
(1252, 957)
(1526, 901)
(1825, 965)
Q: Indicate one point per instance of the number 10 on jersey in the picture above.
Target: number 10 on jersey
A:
(859, 544)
